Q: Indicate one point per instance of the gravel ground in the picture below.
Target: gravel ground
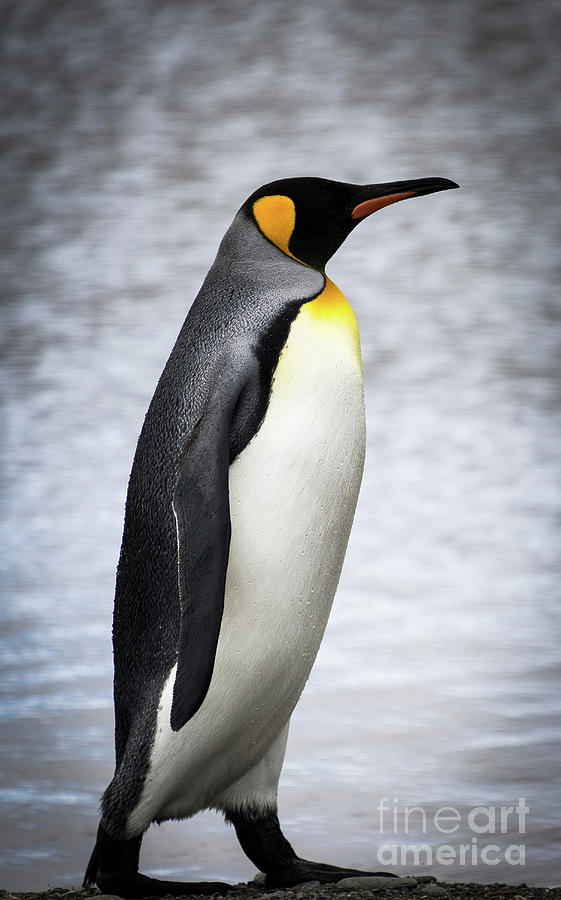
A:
(421, 888)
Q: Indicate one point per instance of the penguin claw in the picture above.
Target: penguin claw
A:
(134, 886)
(301, 870)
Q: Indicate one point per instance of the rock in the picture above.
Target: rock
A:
(424, 879)
(306, 886)
(260, 878)
(433, 890)
(374, 883)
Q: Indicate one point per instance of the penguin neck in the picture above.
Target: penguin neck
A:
(271, 275)
(330, 311)
(332, 304)
(245, 245)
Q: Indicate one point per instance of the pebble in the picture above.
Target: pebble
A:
(433, 890)
(306, 886)
(426, 890)
(374, 883)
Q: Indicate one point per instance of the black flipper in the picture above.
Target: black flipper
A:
(202, 512)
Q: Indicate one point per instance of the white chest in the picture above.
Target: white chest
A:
(293, 493)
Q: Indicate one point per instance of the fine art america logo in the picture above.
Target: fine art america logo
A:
(482, 822)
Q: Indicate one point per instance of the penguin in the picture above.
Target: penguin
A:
(239, 508)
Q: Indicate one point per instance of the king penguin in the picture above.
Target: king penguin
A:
(239, 508)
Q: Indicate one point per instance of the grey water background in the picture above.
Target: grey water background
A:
(131, 133)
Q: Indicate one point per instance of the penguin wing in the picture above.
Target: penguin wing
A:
(202, 513)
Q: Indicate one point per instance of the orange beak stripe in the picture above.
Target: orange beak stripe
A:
(370, 206)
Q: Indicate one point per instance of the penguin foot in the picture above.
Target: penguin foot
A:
(264, 843)
(300, 870)
(130, 886)
(113, 867)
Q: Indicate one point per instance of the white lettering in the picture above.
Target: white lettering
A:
(522, 809)
(416, 850)
(445, 854)
(410, 809)
(520, 859)
(505, 813)
(485, 855)
(381, 809)
(488, 811)
(455, 817)
(382, 856)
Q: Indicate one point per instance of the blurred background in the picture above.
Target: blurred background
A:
(131, 133)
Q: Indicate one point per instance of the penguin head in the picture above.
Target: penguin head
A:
(309, 218)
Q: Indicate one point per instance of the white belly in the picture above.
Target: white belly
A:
(293, 492)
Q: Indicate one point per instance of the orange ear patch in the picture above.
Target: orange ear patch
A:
(276, 217)
(370, 206)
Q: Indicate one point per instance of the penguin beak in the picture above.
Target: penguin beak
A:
(381, 195)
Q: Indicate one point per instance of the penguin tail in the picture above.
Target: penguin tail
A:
(91, 871)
